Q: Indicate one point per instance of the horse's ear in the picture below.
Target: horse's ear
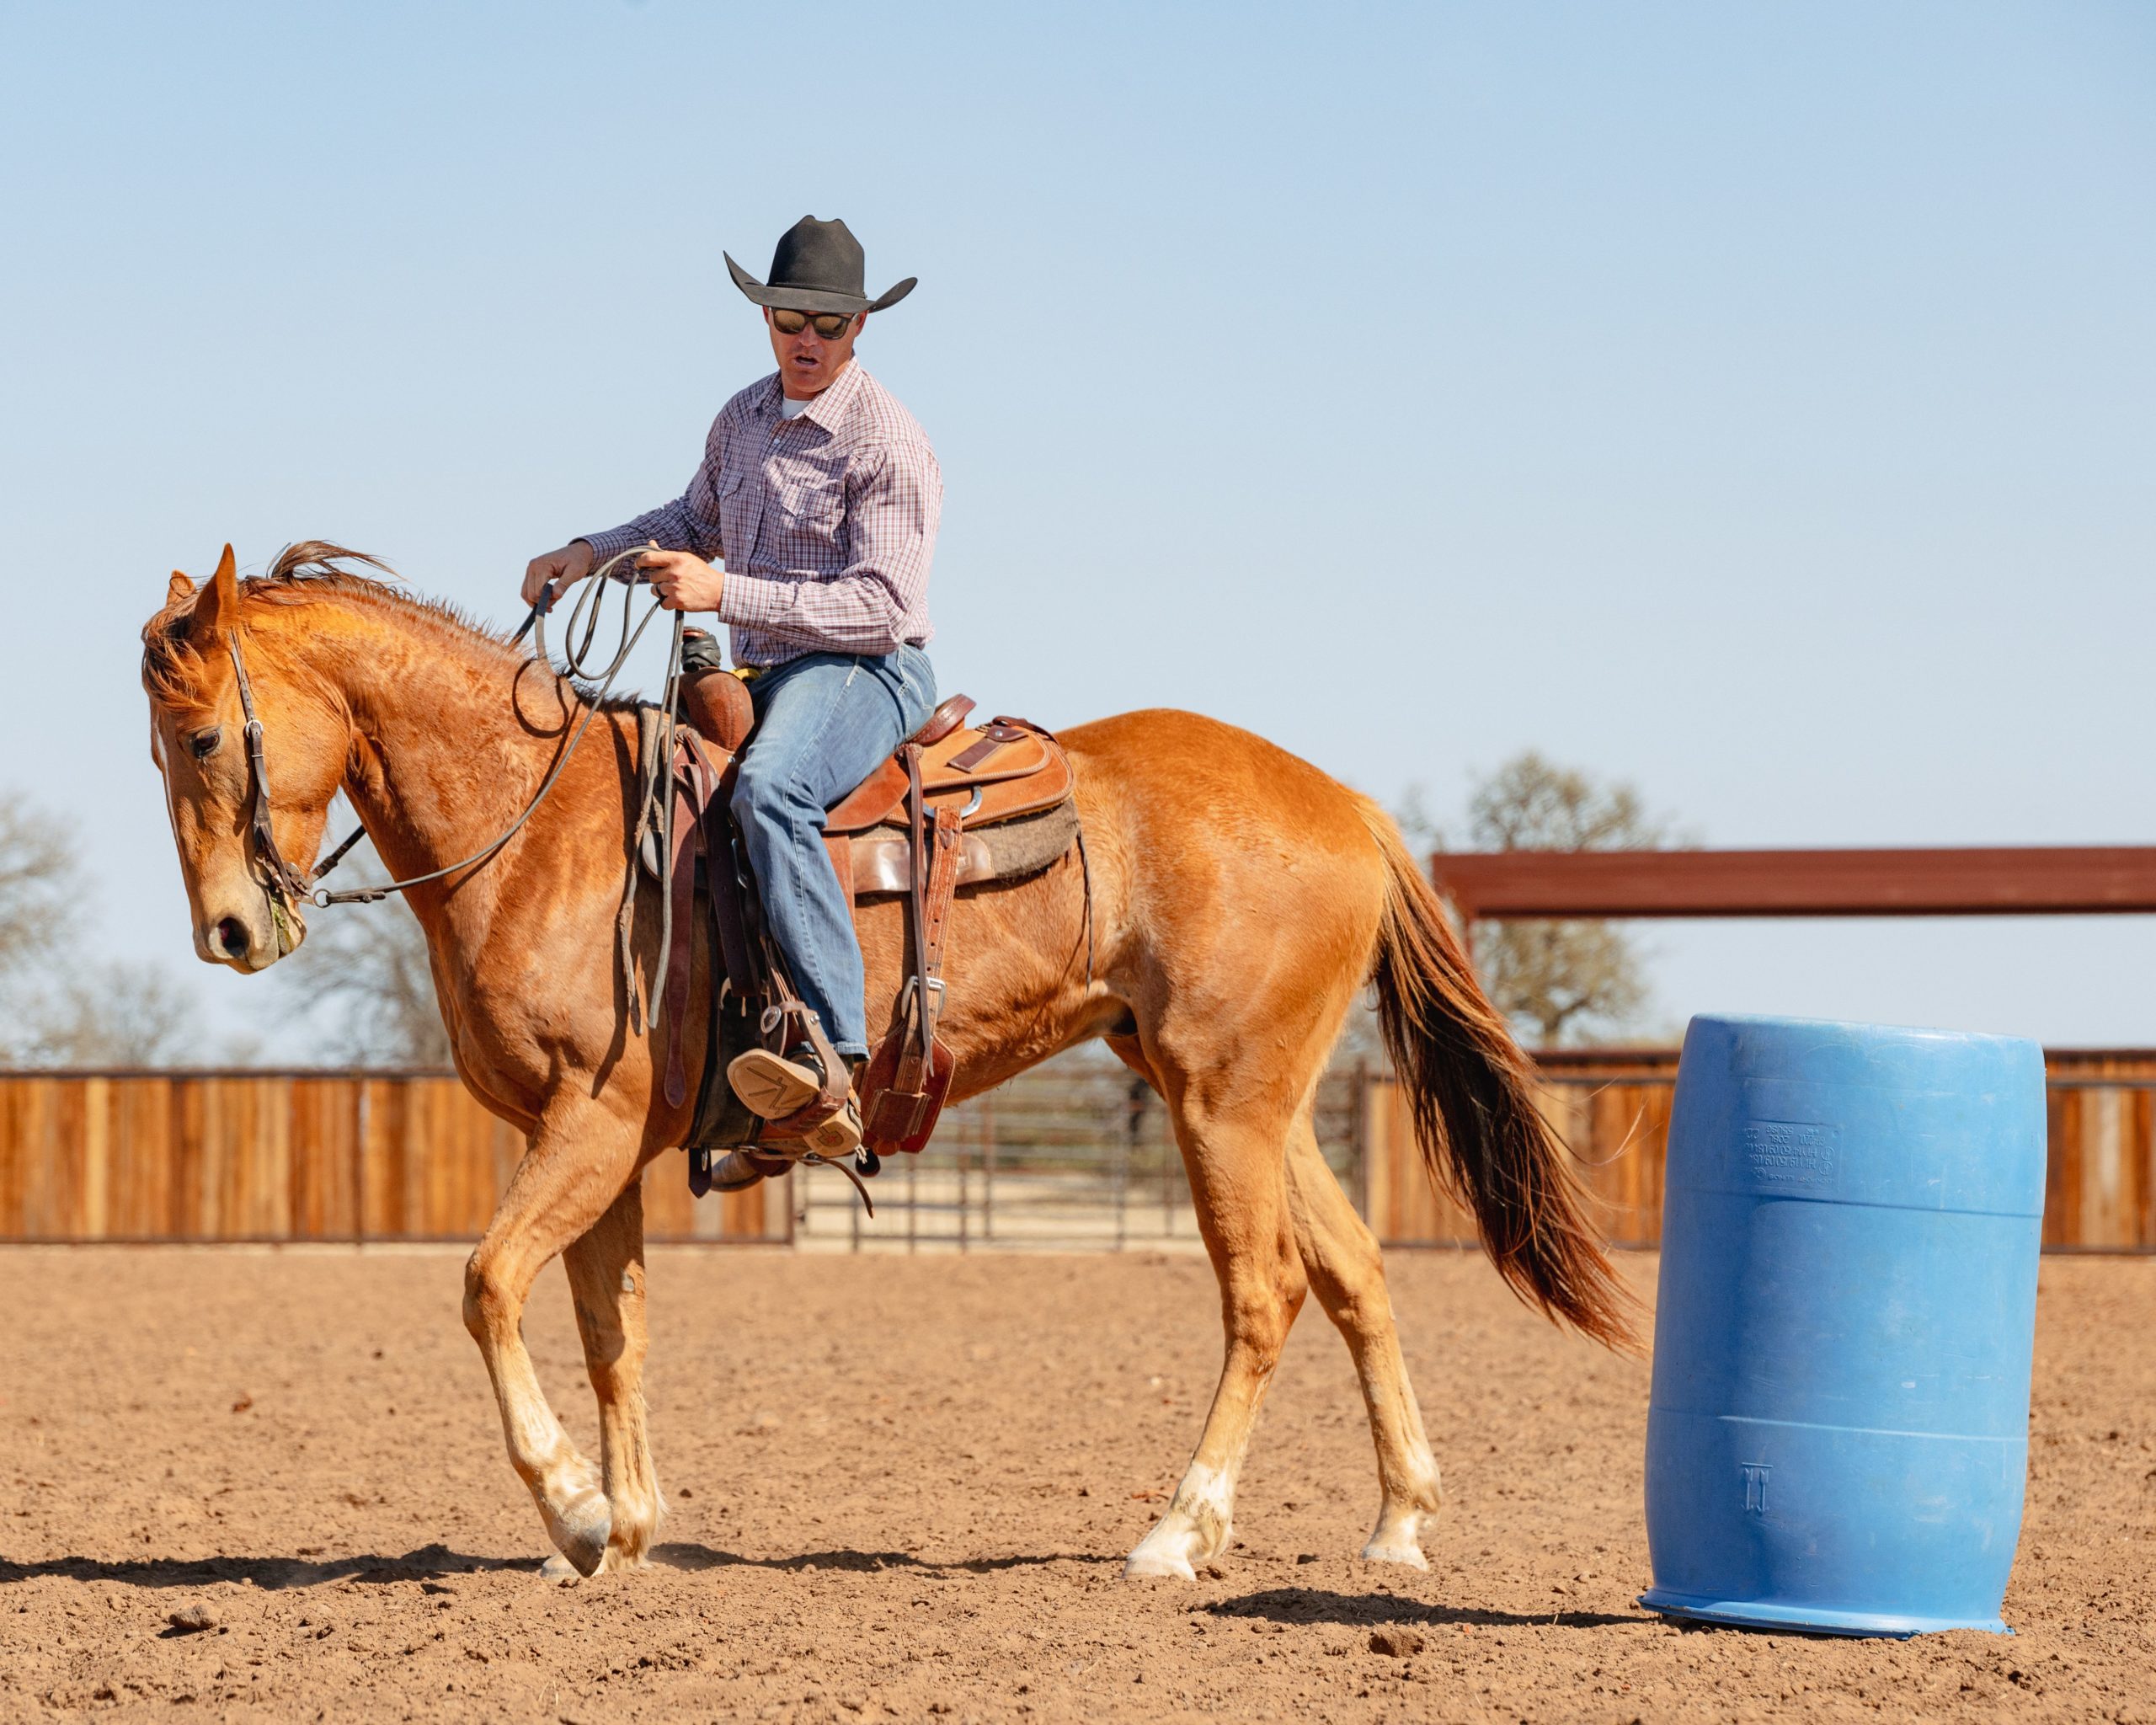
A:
(181, 587)
(218, 608)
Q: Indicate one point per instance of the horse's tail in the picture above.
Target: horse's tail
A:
(1470, 1093)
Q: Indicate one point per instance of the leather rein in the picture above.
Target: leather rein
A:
(287, 884)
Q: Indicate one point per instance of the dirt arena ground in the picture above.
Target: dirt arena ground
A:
(903, 1488)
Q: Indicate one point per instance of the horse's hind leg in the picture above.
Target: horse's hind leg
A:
(1238, 1182)
(1348, 1275)
(577, 1165)
(607, 1280)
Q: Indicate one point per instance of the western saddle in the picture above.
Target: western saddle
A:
(959, 804)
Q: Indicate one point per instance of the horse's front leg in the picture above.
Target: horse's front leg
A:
(606, 1279)
(579, 1162)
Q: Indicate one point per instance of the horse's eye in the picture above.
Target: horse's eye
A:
(204, 743)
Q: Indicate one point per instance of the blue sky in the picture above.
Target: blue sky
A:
(1758, 403)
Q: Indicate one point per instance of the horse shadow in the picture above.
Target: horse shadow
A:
(434, 1562)
(681, 1554)
(430, 1562)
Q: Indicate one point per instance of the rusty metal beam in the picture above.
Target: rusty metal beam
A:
(2003, 881)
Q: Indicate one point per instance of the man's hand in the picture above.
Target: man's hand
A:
(683, 580)
(561, 570)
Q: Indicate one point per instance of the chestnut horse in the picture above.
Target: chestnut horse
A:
(1230, 904)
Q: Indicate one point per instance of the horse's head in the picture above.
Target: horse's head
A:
(198, 739)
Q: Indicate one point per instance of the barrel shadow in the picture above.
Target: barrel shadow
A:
(1310, 1605)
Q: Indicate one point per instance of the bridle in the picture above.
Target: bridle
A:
(283, 877)
(287, 886)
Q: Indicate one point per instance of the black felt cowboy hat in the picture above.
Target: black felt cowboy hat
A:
(817, 268)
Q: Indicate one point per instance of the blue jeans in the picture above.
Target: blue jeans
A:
(824, 723)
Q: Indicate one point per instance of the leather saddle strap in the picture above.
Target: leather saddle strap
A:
(993, 736)
(942, 873)
(651, 774)
(942, 889)
(911, 1066)
(729, 910)
(692, 790)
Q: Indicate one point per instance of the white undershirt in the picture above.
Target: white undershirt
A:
(789, 408)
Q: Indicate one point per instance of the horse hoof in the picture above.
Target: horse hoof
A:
(582, 1535)
(557, 1567)
(1151, 1566)
(1410, 1556)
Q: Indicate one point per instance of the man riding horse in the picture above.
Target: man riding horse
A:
(809, 527)
(1229, 906)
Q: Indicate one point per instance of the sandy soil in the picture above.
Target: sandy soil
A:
(902, 1487)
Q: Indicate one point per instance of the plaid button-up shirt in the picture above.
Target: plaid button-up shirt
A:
(827, 522)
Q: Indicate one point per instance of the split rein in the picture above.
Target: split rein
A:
(287, 884)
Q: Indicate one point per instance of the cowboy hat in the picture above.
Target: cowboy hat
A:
(817, 268)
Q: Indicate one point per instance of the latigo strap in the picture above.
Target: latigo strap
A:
(905, 1084)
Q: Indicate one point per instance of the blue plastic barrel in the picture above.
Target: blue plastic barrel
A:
(1839, 1429)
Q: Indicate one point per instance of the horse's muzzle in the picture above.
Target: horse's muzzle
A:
(253, 939)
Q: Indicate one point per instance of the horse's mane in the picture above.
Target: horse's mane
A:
(307, 573)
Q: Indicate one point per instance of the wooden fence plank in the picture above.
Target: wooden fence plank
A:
(2142, 1133)
(2062, 1167)
(40, 1159)
(143, 1163)
(95, 1219)
(324, 1142)
(14, 1105)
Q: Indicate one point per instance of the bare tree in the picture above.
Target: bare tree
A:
(361, 983)
(1561, 981)
(121, 1014)
(362, 980)
(36, 886)
(55, 1008)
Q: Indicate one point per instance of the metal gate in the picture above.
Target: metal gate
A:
(1076, 1155)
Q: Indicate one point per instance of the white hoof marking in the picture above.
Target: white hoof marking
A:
(1144, 1565)
(1198, 1526)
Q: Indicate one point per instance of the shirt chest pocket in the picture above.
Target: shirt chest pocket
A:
(813, 504)
(810, 493)
(737, 524)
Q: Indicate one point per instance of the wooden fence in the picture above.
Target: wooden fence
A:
(158, 1156)
(294, 1155)
(1612, 1109)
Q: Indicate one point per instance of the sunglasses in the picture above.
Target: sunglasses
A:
(830, 325)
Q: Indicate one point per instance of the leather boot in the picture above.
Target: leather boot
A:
(776, 1086)
(838, 1136)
